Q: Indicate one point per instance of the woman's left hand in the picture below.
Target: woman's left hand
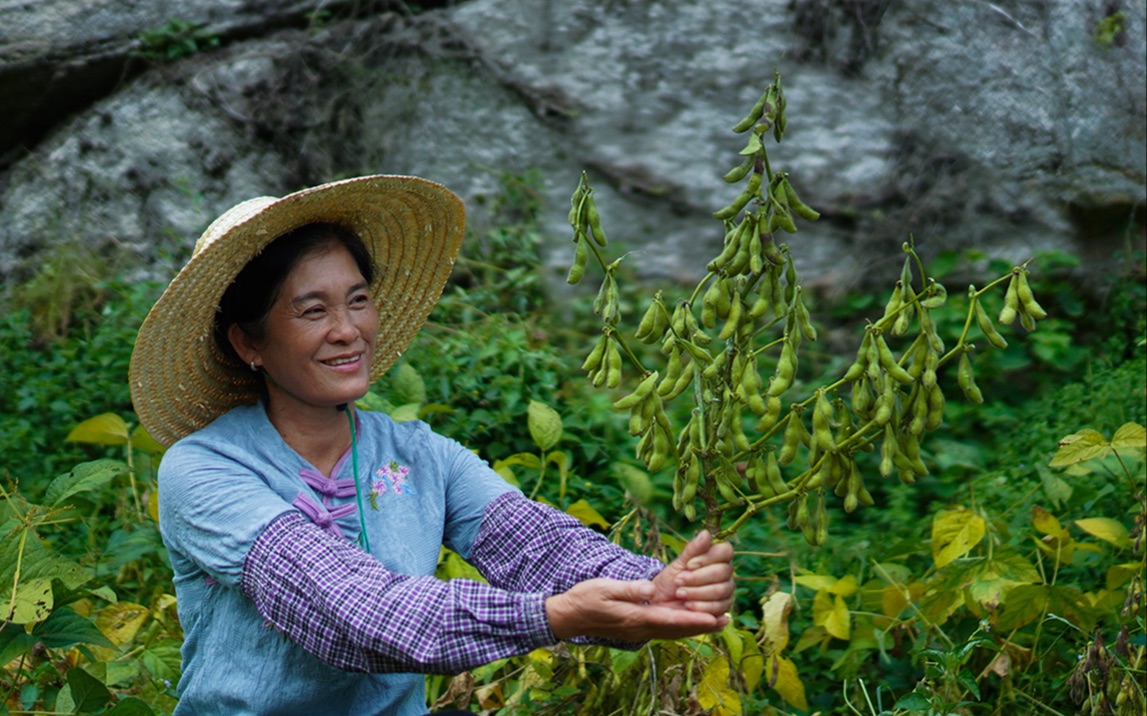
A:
(700, 579)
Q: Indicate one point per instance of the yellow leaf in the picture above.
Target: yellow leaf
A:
(153, 505)
(1130, 435)
(734, 643)
(1046, 522)
(1057, 541)
(1106, 529)
(830, 612)
(1084, 445)
(895, 598)
(120, 622)
(954, 534)
(817, 582)
(846, 586)
(489, 696)
(752, 662)
(588, 516)
(106, 429)
(1120, 574)
(775, 613)
(33, 602)
(714, 693)
(813, 636)
(784, 679)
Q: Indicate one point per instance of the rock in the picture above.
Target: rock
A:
(959, 125)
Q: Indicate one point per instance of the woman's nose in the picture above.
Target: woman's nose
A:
(343, 328)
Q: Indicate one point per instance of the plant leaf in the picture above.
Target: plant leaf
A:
(818, 582)
(1106, 529)
(130, 706)
(1022, 605)
(545, 425)
(105, 429)
(1081, 446)
(830, 612)
(786, 681)
(65, 628)
(33, 602)
(405, 413)
(85, 477)
(846, 586)
(407, 386)
(1130, 435)
(88, 693)
(775, 617)
(954, 534)
(714, 692)
(587, 514)
(142, 440)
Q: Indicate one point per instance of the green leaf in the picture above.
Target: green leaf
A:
(969, 683)
(406, 385)
(525, 459)
(130, 706)
(913, 702)
(106, 429)
(1106, 529)
(64, 628)
(1087, 444)
(162, 659)
(404, 413)
(88, 693)
(1023, 605)
(374, 401)
(1057, 489)
(14, 641)
(635, 481)
(587, 514)
(85, 477)
(142, 440)
(545, 425)
(954, 534)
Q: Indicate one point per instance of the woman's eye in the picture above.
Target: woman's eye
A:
(359, 301)
(313, 312)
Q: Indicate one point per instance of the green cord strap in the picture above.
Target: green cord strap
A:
(363, 540)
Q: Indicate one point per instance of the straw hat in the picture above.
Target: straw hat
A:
(181, 381)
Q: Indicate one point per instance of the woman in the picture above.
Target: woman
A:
(303, 533)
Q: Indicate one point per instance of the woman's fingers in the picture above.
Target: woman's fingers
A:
(720, 552)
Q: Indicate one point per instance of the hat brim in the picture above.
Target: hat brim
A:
(412, 227)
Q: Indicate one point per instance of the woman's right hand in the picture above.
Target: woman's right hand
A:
(621, 610)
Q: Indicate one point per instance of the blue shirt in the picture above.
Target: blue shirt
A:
(219, 489)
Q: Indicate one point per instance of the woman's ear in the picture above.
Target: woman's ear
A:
(244, 346)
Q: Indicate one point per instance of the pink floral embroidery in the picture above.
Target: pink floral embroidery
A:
(392, 477)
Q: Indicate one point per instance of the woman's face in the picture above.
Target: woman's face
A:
(320, 333)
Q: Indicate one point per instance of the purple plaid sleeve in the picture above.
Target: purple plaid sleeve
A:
(527, 546)
(341, 605)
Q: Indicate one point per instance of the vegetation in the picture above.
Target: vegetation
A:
(997, 568)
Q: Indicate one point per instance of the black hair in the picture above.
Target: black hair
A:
(249, 298)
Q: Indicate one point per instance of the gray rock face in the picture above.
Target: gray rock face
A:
(1012, 127)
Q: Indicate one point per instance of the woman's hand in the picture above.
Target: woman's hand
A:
(689, 597)
(700, 579)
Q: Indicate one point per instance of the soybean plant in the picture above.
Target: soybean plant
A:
(751, 443)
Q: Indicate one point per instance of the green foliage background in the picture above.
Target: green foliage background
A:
(497, 343)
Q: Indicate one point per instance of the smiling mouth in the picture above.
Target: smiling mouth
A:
(342, 361)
